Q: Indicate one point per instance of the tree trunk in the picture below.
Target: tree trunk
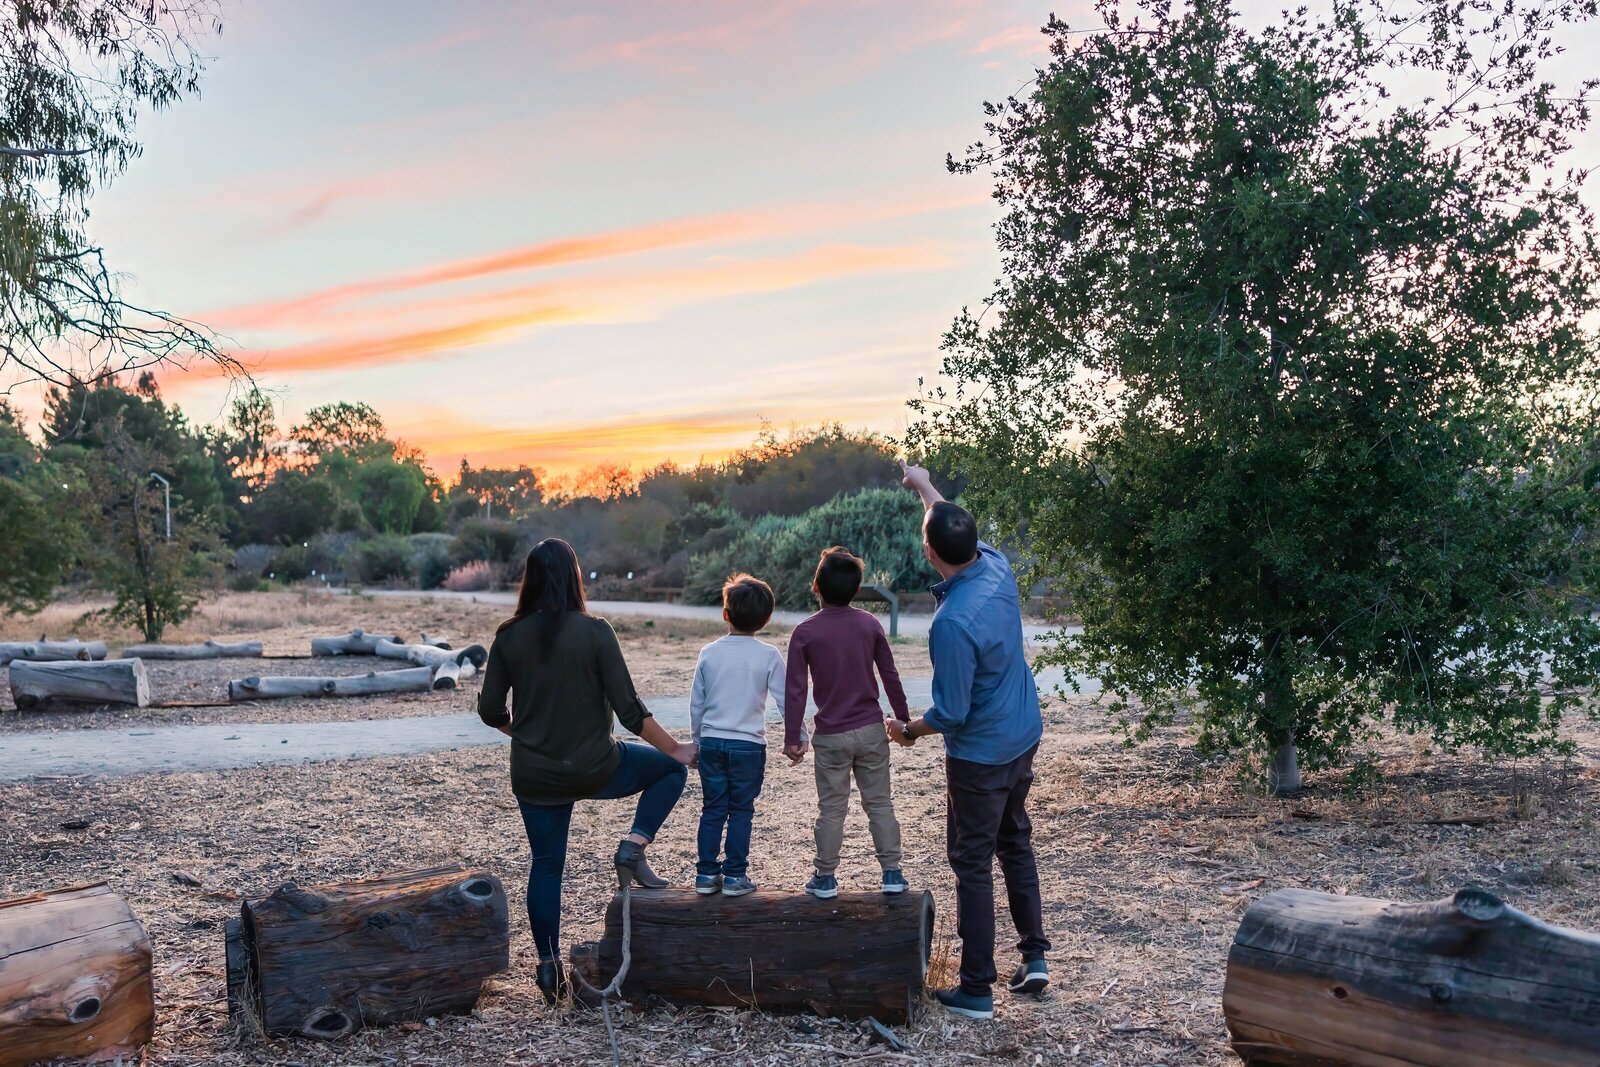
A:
(42, 651)
(431, 655)
(1315, 980)
(354, 643)
(112, 681)
(326, 961)
(74, 977)
(856, 955)
(450, 674)
(1283, 776)
(206, 650)
(409, 680)
(436, 641)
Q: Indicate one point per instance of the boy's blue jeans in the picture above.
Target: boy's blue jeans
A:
(731, 774)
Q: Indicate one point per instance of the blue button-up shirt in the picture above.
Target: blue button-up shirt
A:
(985, 702)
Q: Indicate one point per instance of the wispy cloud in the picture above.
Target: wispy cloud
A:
(1021, 40)
(417, 50)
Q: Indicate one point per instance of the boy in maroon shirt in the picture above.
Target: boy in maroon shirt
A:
(838, 646)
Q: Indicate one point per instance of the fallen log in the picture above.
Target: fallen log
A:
(207, 649)
(436, 641)
(267, 687)
(42, 651)
(1316, 980)
(326, 961)
(354, 643)
(432, 655)
(857, 955)
(74, 977)
(450, 674)
(112, 681)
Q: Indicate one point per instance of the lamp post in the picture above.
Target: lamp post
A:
(166, 492)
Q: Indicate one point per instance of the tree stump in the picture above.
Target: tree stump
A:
(450, 674)
(327, 961)
(205, 650)
(354, 643)
(1317, 980)
(270, 687)
(74, 977)
(112, 681)
(42, 651)
(856, 955)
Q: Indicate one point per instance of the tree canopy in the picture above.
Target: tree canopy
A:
(1289, 377)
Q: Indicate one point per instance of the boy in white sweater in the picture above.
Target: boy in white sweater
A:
(727, 714)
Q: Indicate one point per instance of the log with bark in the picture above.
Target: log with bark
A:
(112, 681)
(42, 651)
(74, 977)
(354, 643)
(432, 655)
(857, 955)
(266, 687)
(1316, 980)
(207, 649)
(329, 960)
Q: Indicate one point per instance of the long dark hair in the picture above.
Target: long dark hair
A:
(552, 586)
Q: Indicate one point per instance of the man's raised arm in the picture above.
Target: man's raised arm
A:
(917, 480)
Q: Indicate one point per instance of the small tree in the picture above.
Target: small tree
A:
(1285, 379)
(154, 582)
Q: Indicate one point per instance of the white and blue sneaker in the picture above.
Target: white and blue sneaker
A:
(894, 881)
(737, 886)
(959, 1002)
(1032, 977)
(707, 884)
(823, 886)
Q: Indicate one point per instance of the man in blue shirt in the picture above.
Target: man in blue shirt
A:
(986, 705)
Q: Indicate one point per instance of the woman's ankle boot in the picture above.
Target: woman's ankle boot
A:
(631, 867)
(551, 979)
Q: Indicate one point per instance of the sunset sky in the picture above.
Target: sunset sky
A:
(567, 233)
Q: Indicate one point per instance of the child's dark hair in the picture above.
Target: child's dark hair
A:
(749, 602)
(839, 574)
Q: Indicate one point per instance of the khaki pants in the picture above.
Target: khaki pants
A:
(864, 752)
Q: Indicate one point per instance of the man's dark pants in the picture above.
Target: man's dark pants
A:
(987, 818)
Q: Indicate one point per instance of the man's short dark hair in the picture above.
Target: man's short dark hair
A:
(749, 602)
(839, 574)
(952, 533)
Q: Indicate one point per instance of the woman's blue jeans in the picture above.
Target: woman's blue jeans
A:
(655, 776)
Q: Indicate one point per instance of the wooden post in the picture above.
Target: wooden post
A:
(1317, 980)
(42, 651)
(74, 977)
(779, 950)
(269, 687)
(112, 681)
(206, 650)
(354, 643)
(329, 960)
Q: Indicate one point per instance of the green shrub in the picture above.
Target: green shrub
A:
(430, 558)
(494, 540)
(384, 558)
(292, 564)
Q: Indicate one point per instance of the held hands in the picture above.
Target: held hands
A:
(688, 754)
(898, 733)
(796, 753)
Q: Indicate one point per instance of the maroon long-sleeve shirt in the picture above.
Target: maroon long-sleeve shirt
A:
(837, 647)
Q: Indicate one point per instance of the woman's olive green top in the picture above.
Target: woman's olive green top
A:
(561, 705)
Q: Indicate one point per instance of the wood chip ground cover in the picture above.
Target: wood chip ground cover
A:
(1148, 858)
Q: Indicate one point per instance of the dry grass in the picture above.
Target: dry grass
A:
(1148, 859)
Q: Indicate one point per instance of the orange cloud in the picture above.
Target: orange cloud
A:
(1024, 40)
(482, 318)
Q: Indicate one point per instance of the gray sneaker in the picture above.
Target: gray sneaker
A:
(1031, 977)
(737, 887)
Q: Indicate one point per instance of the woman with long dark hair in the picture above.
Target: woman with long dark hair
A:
(563, 670)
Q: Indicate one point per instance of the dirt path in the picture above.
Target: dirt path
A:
(228, 746)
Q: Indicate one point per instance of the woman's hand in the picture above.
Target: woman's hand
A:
(687, 753)
(506, 729)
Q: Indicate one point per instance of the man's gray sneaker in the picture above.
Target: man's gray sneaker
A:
(1031, 977)
(894, 881)
(707, 884)
(737, 886)
(823, 886)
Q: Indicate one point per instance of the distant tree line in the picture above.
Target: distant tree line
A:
(336, 497)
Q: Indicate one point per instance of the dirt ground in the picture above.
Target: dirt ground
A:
(1149, 857)
(660, 654)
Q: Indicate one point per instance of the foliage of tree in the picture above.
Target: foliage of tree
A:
(74, 77)
(252, 446)
(36, 524)
(882, 526)
(154, 582)
(341, 427)
(1286, 372)
(390, 494)
(503, 492)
